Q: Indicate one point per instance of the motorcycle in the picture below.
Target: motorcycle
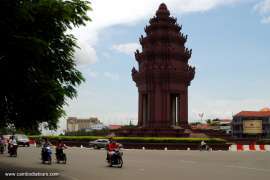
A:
(60, 156)
(13, 150)
(46, 155)
(116, 159)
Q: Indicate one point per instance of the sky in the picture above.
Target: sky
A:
(230, 40)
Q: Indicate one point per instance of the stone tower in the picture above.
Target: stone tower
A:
(164, 74)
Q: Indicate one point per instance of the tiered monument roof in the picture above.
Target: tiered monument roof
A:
(163, 47)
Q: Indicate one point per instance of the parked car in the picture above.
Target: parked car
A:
(99, 143)
(22, 139)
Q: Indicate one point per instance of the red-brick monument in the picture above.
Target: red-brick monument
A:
(162, 79)
(164, 75)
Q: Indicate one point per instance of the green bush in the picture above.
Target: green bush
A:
(135, 139)
(103, 132)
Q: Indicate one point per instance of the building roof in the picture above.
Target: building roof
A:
(254, 114)
(265, 109)
(114, 126)
(94, 120)
(222, 120)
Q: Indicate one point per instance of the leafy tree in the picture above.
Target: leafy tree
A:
(37, 69)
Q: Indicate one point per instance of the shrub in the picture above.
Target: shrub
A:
(135, 139)
(103, 132)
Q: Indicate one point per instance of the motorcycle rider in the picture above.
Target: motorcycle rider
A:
(111, 148)
(46, 147)
(60, 148)
(12, 140)
(12, 144)
(46, 143)
(203, 145)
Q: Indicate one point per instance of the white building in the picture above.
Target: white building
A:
(75, 124)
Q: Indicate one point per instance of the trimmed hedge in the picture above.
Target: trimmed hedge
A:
(135, 139)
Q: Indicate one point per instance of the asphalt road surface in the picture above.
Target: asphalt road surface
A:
(89, 164)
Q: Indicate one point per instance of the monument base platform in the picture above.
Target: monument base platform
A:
(152, 132)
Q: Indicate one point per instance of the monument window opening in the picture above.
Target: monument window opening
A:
(175, 103)
(145, 107)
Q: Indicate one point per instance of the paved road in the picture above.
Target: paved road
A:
(85, 164)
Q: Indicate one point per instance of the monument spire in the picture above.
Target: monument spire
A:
(162, 10)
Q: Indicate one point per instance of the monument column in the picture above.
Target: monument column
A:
(183, 109)
(140, 118)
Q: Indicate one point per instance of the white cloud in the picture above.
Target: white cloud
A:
(188, 6)
(265, 20)
(86, 54)
(112, 76)
(125, 12)
(263, 8)
(128, 48)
